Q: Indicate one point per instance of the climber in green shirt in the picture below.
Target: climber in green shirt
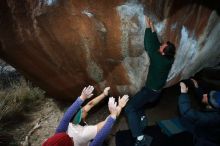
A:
(161, 60)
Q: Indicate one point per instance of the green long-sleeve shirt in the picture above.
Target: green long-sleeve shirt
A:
(159, 65)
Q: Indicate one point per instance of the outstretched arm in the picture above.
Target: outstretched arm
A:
(121, 104)
(62, 127)
(94, 102)
(109, 122)
(151, 42)
(104, 132)
(86, 93)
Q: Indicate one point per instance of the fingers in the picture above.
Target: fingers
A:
(182, 84)
(119, 99)
(112, 105)
(90, 88)
(111, 99)
(111, 102)
(194, 82)
(126, 100)
(87, 92)
(115, 104)
(123, 101)
(183, 87)
(90, 95)
(125, 97)
(84, 89)
(107, 88)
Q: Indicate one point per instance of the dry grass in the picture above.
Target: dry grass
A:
(17, 98)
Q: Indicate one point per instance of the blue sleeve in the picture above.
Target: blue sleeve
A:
(62, 127)
(103, 133)
(196, 117)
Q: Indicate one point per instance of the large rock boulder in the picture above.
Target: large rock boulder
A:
(63, 45)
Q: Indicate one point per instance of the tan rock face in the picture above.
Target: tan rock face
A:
(63, 45)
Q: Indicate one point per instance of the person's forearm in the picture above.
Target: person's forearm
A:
(150, 40)
(103, 133)
(119, 110)
(93, 102)
(96, 100)
(62, 127)
(147, 39)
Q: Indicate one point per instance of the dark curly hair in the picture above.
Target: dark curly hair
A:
(170, 50)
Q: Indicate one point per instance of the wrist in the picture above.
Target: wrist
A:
(82, 97)
(103, 94)
(114, 116)
(119, 108)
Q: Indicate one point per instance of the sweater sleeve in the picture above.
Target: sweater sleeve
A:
(196, 117)
(103, 133)
(62, 127)
(151, 41)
